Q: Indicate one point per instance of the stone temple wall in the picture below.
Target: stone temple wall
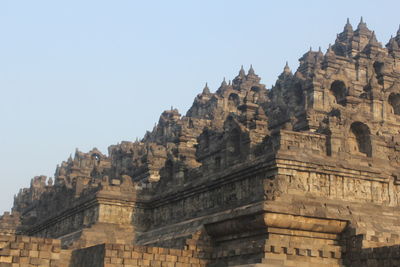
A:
(304, 173)
(21, 251)
(32, 251)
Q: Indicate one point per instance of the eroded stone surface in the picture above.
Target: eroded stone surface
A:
(302, 174)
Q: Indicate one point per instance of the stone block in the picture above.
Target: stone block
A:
(171, 258)
(31, 246)
(5, 252)
(34, 261)
(54, 256)
(24, 260)
(155, 263)
(6, 259)
(148, 256)
(116, 260)
(175, 252)
(130, 261)
(44, 254)
(34, 254)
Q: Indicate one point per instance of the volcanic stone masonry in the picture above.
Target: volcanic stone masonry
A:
(305, 173)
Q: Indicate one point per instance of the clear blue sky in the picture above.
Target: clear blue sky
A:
(93, 73)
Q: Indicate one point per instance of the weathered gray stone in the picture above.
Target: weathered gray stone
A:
(305, 173)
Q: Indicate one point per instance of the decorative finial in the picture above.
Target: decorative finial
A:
(310, 48)
(206, 90)
(286, 69)
(398, 31)
(348, 27)
(362, 25)
(319, 49)
(242, 73)
(224, 84)
(251, 70)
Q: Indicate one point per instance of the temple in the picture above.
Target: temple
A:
(305, 173)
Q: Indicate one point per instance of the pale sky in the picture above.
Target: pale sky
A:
(84, 74)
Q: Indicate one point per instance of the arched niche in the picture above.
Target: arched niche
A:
(360, 139)
(339, 90)
(233, 101)
(255, 93)
(379, 67)
(394, 101)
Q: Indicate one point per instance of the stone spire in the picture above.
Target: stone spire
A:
(287, 72)
(361, 24)
(330, 57)
(373, 46)
(286, 69)
(252, 76)
(242, 73)
(240, 77)
(362, 28)
(319, 55)
(206, 90)
(223, 85)
(393, 46)
(346, 35)
(251, 71)
(373, 41)
(348, 28)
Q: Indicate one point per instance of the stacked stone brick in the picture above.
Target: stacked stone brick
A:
(21, 251)
(9, 223)
(152, 256)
